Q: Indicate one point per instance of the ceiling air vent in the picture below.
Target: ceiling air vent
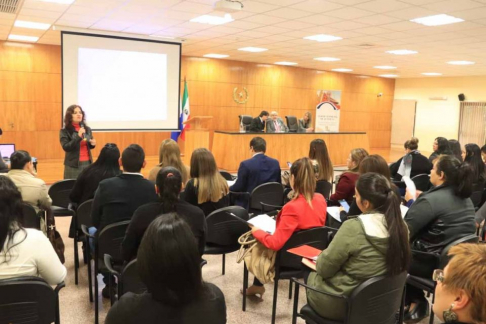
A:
(365, 45)
(9, 6)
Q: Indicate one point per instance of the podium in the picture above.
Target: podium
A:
(197, 135)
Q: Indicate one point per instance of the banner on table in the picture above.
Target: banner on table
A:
(328, 111)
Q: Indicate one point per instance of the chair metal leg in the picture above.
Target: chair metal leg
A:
(96, 293)
(224, 263)
(290, 289)
(274, 306)
(296, 304)
(431, 319)
(76, 257)
(245, 285)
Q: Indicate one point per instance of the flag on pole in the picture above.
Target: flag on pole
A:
(185, 114)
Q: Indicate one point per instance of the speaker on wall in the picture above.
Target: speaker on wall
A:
(462, 97)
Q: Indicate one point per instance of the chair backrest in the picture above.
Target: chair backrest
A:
(83, 214)
(422, 182)
(377, 300)
(226, 175)
(318, 237)
(27, 300)
(292, 124)
(444, 258)
(130, 279)
(29, 217)
(109, 241)
(59, 192)
(324, 187)
(270, 193)
(245, 120)
(224, 228)
(476, 197)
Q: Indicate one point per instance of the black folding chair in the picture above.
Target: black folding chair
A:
(324, 187)
(29, 300)
(224, 229)
(128, 280)
(292, 124)
(375, 301)
(270, 194)
(245, 120)
(476, 198)
(59, 193)
(422, 182)
(29, 219)
(81, 217)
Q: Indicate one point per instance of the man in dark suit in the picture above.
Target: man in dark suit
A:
(258, 124)
(258, 170)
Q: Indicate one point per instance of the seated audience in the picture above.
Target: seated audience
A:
(257, 170)
(412, 164)
(24, 251)
(472, 156)
(440, 147)
(483, 153)
(22, 173)
(258, 123)
(168, 187)
(207, 188)
(456, 149)
(169, 155)
(460, 294)
(318, 152)
(372, 244)
(276, 124)
(438, 217)
(480, 215)
(345, 185)
(305, 123)
(306, 210)
(169, 265)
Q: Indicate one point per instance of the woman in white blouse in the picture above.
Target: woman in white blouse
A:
(24, 251)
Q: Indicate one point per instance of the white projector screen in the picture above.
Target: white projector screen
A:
(122, 84)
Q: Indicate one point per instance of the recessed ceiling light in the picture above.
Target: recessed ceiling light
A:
(23, 38)
(437, 20)
(461, 62)
(327, 59)
(286, 63)
(342, 70)
(252, 49)
(216, 55)
(213, 20)
(388, 75)
(431, 73)
(60, 1)
(323, 38)
(402, 52)
(385, 67)
(33, 25)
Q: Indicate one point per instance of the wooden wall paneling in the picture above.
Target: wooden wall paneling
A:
(48, 115)
(380, 121)
(18, 116)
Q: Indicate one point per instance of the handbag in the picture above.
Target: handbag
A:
(53, 235)
(259, 259)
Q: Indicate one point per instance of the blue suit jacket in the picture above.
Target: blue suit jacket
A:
(258, 170)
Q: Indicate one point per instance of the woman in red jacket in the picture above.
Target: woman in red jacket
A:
(306, 210)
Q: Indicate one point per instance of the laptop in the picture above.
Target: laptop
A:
(6, 150)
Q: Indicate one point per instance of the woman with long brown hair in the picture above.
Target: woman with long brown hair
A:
(345, 185)
(169, 155)
(318, 152)
(207, 188)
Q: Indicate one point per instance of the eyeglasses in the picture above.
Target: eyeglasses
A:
(438, 275)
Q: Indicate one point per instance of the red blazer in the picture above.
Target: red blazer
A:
(345, 187)
(295, 215)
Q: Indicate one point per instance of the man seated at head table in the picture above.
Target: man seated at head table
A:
(258, 123)
(276, 124)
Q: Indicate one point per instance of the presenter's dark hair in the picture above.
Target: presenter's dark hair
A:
(132, 158)
(19, 159)
(443, 146)
(263, 113)
(68, 117)
(458, 175)
(258, 144)
(169, 183)
(169, 261)
(106, 166)
(455, 148)
(473, 158)
(10, 214)
(378, 191)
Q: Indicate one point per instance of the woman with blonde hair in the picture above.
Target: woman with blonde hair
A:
(169, 155)
(206, 189)
(305, 123)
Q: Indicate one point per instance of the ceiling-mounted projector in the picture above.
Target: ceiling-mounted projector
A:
(228, 6)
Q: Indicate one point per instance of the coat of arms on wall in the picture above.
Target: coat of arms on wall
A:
(240, 96)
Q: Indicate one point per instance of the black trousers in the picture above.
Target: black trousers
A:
(420, 268)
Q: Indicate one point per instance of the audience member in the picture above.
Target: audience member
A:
(480, 215)
(276, 124)
(22, 173)
(472, 156)
(318, 152)
(257, 170)
(441, 146)
(258, 123)
(306, 210)
(412, 164)
(169, 265)
(168, 187)
(460, 294)
(207, 188)
(372, 244)
(438, 217)
(345, 185)
(169, 155)
(456, 149)
(24, 251)
(483, 153)
(305, 123)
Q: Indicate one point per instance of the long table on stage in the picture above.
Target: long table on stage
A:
(230, 148)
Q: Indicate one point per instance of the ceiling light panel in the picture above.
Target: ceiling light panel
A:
(253, 49)
(327, 59)
(323, 38)
(460, 62)
(32, 25)
(216, 55)
(385, 67)
(431, 73)
(23, 38)
(342, 70)
(437, 20)
(286, 63)
(388, 75)
(213, 20)
(402, 52)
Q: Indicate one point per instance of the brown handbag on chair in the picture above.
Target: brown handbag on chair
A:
(53, 235)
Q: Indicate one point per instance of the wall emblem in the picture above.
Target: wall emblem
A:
(240, 97)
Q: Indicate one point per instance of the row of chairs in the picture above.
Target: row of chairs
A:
(292, 123)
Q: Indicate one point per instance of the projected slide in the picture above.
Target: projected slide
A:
(122, 84)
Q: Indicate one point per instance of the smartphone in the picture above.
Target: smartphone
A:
(289, 164)
(345, 205)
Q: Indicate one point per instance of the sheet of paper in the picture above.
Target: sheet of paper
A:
(264, 222)
(335, 213)
(230, 182)
(410, 185)
(404, 210)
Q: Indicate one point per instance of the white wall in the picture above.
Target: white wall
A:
(436, 118)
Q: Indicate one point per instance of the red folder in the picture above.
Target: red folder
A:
(306, 251)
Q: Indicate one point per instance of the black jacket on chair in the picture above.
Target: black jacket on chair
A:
(420, 165)
(71, 143)
(257, 125)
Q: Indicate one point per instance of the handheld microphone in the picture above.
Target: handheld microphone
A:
(81, 124)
